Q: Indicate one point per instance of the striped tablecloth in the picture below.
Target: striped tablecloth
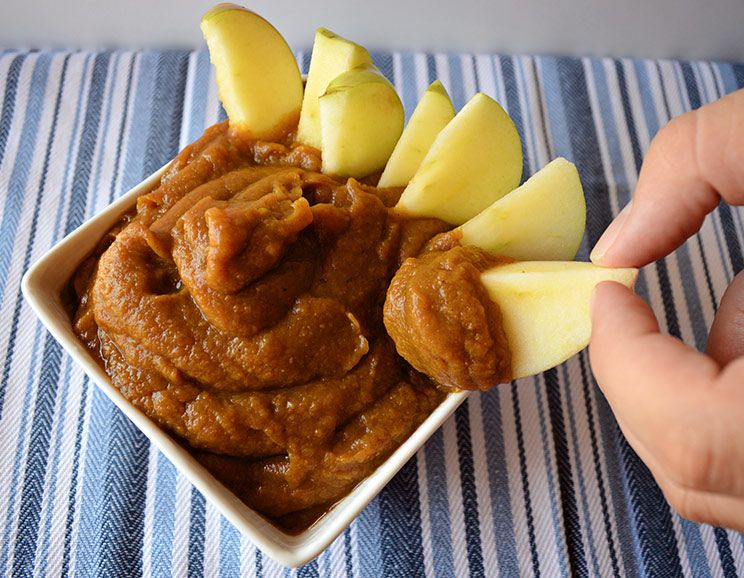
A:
(533, 478)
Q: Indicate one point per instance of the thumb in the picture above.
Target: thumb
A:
(726, 339)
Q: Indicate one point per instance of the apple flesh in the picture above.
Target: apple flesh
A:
(544, 219)
(258, 80)
(431, 115)
(361, 119)
(332, 56)
(475, 160)
(545, 308)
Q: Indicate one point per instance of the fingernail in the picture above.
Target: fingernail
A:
(609, 237)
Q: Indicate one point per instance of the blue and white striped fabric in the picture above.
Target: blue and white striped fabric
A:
(531, 479)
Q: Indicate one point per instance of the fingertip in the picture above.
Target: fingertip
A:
(606, 294)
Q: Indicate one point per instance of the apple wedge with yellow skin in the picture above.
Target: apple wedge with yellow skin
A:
(543, 219)
(332, 55)
(545, 308)
(258, 80)
(475, 160)
(361, 119)
(431, 115)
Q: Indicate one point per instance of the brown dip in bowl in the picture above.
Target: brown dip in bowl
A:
(289, 327)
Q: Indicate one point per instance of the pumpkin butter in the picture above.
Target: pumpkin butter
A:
(252, 306)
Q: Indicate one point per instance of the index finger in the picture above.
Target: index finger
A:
(692, 163)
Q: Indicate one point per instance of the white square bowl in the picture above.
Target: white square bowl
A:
(43, 284)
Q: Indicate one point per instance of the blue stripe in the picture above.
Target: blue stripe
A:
(259, 564)
(431, 70)
(400, 524)
(229, 549)
(197, 522)
(498, 483)
(9, 101)
(384, 61)
(724, 549)
(163, 523)
(134, 167)
(199, 88)
(469, 494)
(525, 481)
(167, 112)
(408, 85)
(513, 104)
(368, 539)
(309, 570)
(457, 92)
(439, 510)
(348, 559)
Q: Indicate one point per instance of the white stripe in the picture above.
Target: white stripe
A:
(247, 557)
(441, 67)
(335, 562)
(211, 115)
(211, 541)
(181, 523)
(421, 70)
(468, 76)
(486, 79)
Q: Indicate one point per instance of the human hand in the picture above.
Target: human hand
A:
(681, 410)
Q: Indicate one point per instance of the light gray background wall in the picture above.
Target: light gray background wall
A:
(656, 28)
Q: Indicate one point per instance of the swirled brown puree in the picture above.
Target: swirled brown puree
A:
(241, 307)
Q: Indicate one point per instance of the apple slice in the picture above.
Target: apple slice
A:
(431, 115)
(545, 308)
(258, 80)
(543, 219)
(475, 159)
(361, 118)
(332, 56)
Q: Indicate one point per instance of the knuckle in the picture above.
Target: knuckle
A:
(694, 506)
